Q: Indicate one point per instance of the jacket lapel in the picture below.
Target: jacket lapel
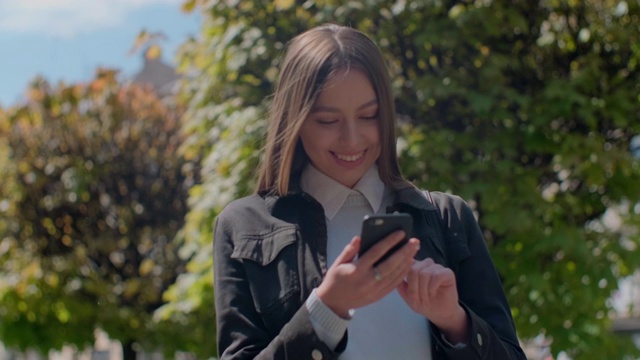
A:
(426, 224)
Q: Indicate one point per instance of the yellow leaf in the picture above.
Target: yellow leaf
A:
(153, 52)
(134, 323)
(283, 4)
(141, 39)
(33, 270)
(131, 288)
(456, 11)
(188, 6)
(52, 279)
(67, 241)
(62, 313)
(145, 267)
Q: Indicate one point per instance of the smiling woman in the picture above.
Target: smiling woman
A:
(289, 282)
(341, 136)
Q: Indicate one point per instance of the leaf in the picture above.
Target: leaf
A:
(188, 6)
(145, 267)
(153, 52)
(283, 4)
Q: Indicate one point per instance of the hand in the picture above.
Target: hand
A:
(350, 283)
(430, 290)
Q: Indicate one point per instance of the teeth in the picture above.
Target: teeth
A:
(349, 157)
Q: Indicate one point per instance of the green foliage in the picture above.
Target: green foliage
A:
(524, 108)
(93, 194)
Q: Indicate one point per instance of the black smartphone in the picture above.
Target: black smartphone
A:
(376, 227)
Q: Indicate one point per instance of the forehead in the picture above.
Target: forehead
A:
(347, 87)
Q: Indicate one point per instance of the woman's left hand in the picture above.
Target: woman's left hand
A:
(430, 290)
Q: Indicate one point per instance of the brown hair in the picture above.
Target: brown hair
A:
(310, 59)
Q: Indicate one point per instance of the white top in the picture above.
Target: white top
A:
(387, 329)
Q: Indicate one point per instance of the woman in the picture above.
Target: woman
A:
(289, 283)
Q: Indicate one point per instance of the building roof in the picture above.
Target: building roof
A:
(159, 75)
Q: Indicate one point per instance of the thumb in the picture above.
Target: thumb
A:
(349, 252)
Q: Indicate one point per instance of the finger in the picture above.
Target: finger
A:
(349, 252)
(427, 262)
(413, 280)
(416, 241)
(400, 261)
(424, 281)
(408, 289)
(391, 277)
(414, 274)
(396, 269)
(391, 280)
(402, 272)
(441, 279)
(394, 283)
(378, 250)
(400, 264)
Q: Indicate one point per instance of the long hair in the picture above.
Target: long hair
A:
(310, 59)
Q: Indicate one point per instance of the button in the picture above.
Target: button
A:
(316, 354)
(479, 339)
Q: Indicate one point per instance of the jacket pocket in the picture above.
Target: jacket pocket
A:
(271, 265)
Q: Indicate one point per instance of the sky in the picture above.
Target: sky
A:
(67, 40)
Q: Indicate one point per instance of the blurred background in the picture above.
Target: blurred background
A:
(126, 126)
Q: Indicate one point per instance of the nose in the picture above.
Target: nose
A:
(349, 133)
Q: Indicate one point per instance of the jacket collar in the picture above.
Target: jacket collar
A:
(413, 197)
(410, 196)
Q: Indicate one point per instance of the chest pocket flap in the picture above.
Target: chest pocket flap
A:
(264, 248)
(271, 267)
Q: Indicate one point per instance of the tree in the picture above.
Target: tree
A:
(93, 194)
(524, 108)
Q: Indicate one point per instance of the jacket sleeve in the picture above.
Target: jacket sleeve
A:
(241, 331)
(492, 334)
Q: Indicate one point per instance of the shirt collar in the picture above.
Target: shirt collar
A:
(332, 195)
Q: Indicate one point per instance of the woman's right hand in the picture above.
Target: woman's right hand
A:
(350, 283)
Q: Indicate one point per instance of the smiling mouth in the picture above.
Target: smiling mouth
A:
(350, 158)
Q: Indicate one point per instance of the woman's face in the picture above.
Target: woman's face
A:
(341, 135)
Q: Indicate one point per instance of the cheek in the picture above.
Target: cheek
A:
(375, 140)
(317, 138)
(374, 135)
(311, 145)
(305, 137)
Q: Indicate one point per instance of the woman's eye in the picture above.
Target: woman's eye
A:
(370, 117)
(326, 121)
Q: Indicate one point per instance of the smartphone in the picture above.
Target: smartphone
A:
(376, 227)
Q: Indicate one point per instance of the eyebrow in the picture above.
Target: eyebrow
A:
(333, 109)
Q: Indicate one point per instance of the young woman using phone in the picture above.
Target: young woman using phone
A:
(288, 281)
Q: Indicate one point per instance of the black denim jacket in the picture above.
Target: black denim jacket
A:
(270, 253)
